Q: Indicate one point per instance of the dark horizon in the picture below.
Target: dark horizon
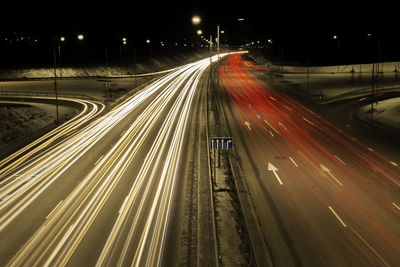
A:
(301, 33)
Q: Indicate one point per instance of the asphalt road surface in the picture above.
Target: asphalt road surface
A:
(322, 197)
(104, 192)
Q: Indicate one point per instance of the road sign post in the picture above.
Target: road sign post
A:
(221, 142)
(218, 143)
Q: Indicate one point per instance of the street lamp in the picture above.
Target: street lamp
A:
(335, 37)
(148, 41)
(196, 20)
(80, 37)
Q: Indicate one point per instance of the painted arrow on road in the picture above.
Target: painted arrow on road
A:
(328, 171)
(247, 124)
(274, 170)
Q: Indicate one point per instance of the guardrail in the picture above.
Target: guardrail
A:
(47, 94)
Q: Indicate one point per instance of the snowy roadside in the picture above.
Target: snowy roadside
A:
(385, 115)
(21, 123)
(323, 85)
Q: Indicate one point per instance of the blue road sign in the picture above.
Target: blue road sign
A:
(221, 142)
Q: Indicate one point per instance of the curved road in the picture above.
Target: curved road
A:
(107, 192)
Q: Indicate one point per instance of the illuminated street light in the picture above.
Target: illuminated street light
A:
(147, 41)
(80, 37)
(335, 37)
(199, 32)
(62, 39)
(196, 20)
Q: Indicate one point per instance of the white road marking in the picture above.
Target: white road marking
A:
(328, 171)
(397, 207)
(123, 205)
(394, 163)
(55, 208)
(274, 170)
(293, 161)
(98, 160)
(341, 161)
(337, 216)
(247, 124)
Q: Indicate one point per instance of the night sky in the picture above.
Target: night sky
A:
(310, 24)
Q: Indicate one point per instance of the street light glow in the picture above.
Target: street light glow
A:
(199, 32)
(196, 20)
(80, 37)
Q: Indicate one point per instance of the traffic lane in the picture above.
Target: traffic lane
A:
(303, 206)
(126, 243)
(60, 224)
(281, 125)
(15, 161)
(35, 214)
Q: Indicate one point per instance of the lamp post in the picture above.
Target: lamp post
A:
(55, 78)
(335, 37)
(196, 20)
(148, 41)
(61, 40)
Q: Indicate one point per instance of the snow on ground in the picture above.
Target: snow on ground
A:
(20, 123)
(326, 84)
(387, 112)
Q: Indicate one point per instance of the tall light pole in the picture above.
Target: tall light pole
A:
(335, 37)
(61, 40)
(55, 78)
(196, 20)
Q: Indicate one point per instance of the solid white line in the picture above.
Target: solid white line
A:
(341, 161)
(293, 161)
(337, 216)
(397, 207)
(98, 160)
(55, 251)
(394, 163)
(123, 205)
(277, 177)
(55, 208)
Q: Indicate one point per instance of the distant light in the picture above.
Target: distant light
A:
(240, 19)
(335, 37)
(62, 39)
(148, 41)
(80, 37)
(270, 41)
(196, 20)
(369, 34)
(199, 32)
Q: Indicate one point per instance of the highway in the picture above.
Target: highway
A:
(322, 196)
(105, 190)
